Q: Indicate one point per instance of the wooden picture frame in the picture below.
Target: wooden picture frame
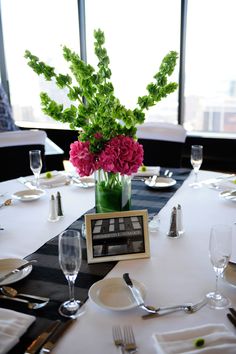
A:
(117, 236)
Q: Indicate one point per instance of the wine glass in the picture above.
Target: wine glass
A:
(220, 246)
(70, 258)
(196, 161)
(35, 164)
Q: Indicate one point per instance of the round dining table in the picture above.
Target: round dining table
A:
(178, 270)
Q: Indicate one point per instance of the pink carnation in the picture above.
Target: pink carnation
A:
(121, 154)
(82, 158)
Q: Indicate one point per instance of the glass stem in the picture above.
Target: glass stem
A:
(36, 175)
(71, 289)
(216, 288)
(196, 176)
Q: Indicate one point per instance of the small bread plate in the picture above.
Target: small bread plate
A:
(228, 195)
(28, 195)
(160, 182)
(149, 171)
(114, 294)
(83, 182)
(230, 273)
(9, 264)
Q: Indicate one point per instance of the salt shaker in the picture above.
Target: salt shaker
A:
(173, 232)
(52, 210)
(180, 227)
(59, 207)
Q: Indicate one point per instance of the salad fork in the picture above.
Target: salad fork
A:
(188, 308)
(129, 340)
(118, 338)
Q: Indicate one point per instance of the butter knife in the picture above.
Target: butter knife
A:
(231, 318)
(37, 343)
(135, 292)
(16, 270)
(51, 342)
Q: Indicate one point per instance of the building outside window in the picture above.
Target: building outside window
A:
(210, 87)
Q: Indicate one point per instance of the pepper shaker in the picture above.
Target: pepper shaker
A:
(59, 206)
(173, 232)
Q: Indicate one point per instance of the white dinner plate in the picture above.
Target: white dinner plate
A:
(230, 273)
(9, 264)
(228, 195)
(83, 182)
(160, 182)
(150, 171)
(28, 195)
(114, 294)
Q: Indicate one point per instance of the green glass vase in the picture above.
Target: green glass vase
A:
(112, 192)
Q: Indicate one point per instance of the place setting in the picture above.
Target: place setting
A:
(153, 178)
(12, 270)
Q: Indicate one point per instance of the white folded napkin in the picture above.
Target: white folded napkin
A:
(217, 340)
(56, 180)
(12, 326)
(150, 171)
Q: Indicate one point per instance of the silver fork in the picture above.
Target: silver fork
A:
(129, 340)
(188, 308)
(118, 338)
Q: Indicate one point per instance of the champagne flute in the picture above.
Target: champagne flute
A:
(70, 258)
(220, 247)
(35, 164)
(196, 161)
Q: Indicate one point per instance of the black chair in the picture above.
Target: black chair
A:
(14, 152)
(162, 142)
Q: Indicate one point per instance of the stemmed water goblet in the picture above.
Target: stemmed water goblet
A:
(220, 247)
(35, 164)
(70, 258)
(196, 161)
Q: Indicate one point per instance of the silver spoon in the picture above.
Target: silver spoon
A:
(31, 305)
(11, 292)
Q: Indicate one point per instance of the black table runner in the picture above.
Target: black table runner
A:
(47, 279)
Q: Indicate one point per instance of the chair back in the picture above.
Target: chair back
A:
(162, 142)
(14, 152)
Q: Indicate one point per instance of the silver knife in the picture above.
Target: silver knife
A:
(50, 344)
(37, 343)
(16, 270)
(136, 293)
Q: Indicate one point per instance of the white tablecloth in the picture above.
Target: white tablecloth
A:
(178, 271)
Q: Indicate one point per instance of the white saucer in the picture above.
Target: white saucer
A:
(28, 195)
(9, 264)
(160, 182)
(228, 195)
(114, 294)
(83, 182)
(150, 171)
(230, 273)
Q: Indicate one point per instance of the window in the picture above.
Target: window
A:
(210, 88)
(138, 35)
(41, 26)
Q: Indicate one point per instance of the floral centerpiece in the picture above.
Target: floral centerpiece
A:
(107, 143)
